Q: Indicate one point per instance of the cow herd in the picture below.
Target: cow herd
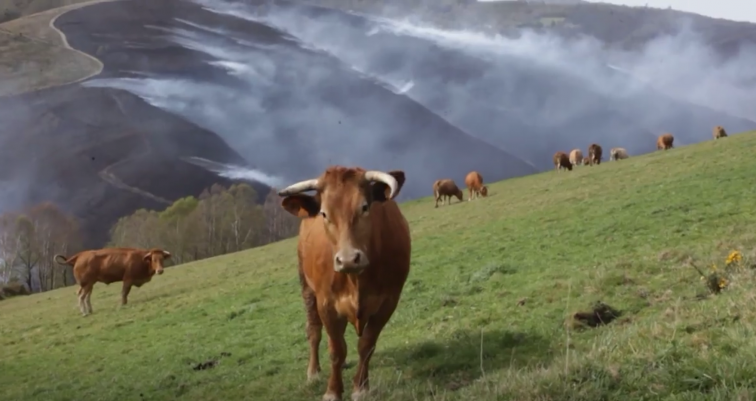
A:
(664, 142)
(353, 252)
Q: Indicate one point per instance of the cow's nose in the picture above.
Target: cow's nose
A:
(160, 271)
(350, 261)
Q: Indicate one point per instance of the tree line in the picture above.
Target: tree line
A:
(219, 221)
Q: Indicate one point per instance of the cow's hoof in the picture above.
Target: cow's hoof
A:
(331, 397)
(312, 377)
(359, 395)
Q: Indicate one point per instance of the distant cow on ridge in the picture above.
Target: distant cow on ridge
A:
(618, 154)
(354, 257)
(446, 188)
(562, 161)
(586, 161)
(576, 157)
(474, 183)
(132, 266)
(665, 141)
(719, 132)
(595, 153)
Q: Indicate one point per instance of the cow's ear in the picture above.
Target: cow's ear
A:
(148, 256)
(381, 190)
(301, 205)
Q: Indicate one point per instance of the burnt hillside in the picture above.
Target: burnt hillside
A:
(101, 154)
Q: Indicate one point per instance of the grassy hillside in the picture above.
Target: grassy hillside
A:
(482, 315)
(33, 54)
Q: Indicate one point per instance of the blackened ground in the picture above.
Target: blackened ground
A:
(101, 154)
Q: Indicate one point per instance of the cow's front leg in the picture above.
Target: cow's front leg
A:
(335, 327)
(125, 292)
(366, 348)
(314, 328)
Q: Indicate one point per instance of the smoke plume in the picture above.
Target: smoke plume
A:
(296, 98)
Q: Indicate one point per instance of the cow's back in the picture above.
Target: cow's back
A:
(576, 156)
(473, 180)
(447, 187)
(109, 265)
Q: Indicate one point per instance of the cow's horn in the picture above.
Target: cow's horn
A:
(385, 178)
(299, 187)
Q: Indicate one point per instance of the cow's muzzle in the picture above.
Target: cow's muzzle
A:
(350, 262)
(160, 271)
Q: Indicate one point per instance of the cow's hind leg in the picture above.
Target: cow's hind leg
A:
(85, 292)
(314, 331)
(337, 348)
(81, 296)
(366, 348)
(89, 301)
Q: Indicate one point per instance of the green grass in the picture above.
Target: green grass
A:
(620, 233)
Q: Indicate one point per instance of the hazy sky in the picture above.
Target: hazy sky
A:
(737, 10)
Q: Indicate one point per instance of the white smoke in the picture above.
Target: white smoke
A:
(233, 172)
(275, 102)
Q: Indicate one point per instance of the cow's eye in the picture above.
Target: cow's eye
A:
(365, 207)
(324, 215)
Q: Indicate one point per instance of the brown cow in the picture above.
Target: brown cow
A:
(446, 188)
(132, 266)
(561, 160)
(719, 132)
(665, 142)
(594, 153)
(618, 154)
(576, 157)
(474, 183)
(586, 161)
(354, 257)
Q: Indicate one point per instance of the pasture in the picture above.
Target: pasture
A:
(34, 55)
(483, 312)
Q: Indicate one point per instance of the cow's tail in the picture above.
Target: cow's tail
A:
(63, 261)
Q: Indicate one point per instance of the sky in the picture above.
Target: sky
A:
(736, 10)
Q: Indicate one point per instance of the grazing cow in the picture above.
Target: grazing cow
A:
(576, 157)
(446, 188)
(474, 183)
(595, 153)
(719, 132)
(618, 154)
(665, 142)
(354, 257)
(586, 161)
(132, 266)
(561, 160)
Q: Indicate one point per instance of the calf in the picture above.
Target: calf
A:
(132, 266)
(446, 188)
(561, 160)
(474, 183)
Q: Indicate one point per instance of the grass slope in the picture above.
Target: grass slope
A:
(619, 233)
(34, 55)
